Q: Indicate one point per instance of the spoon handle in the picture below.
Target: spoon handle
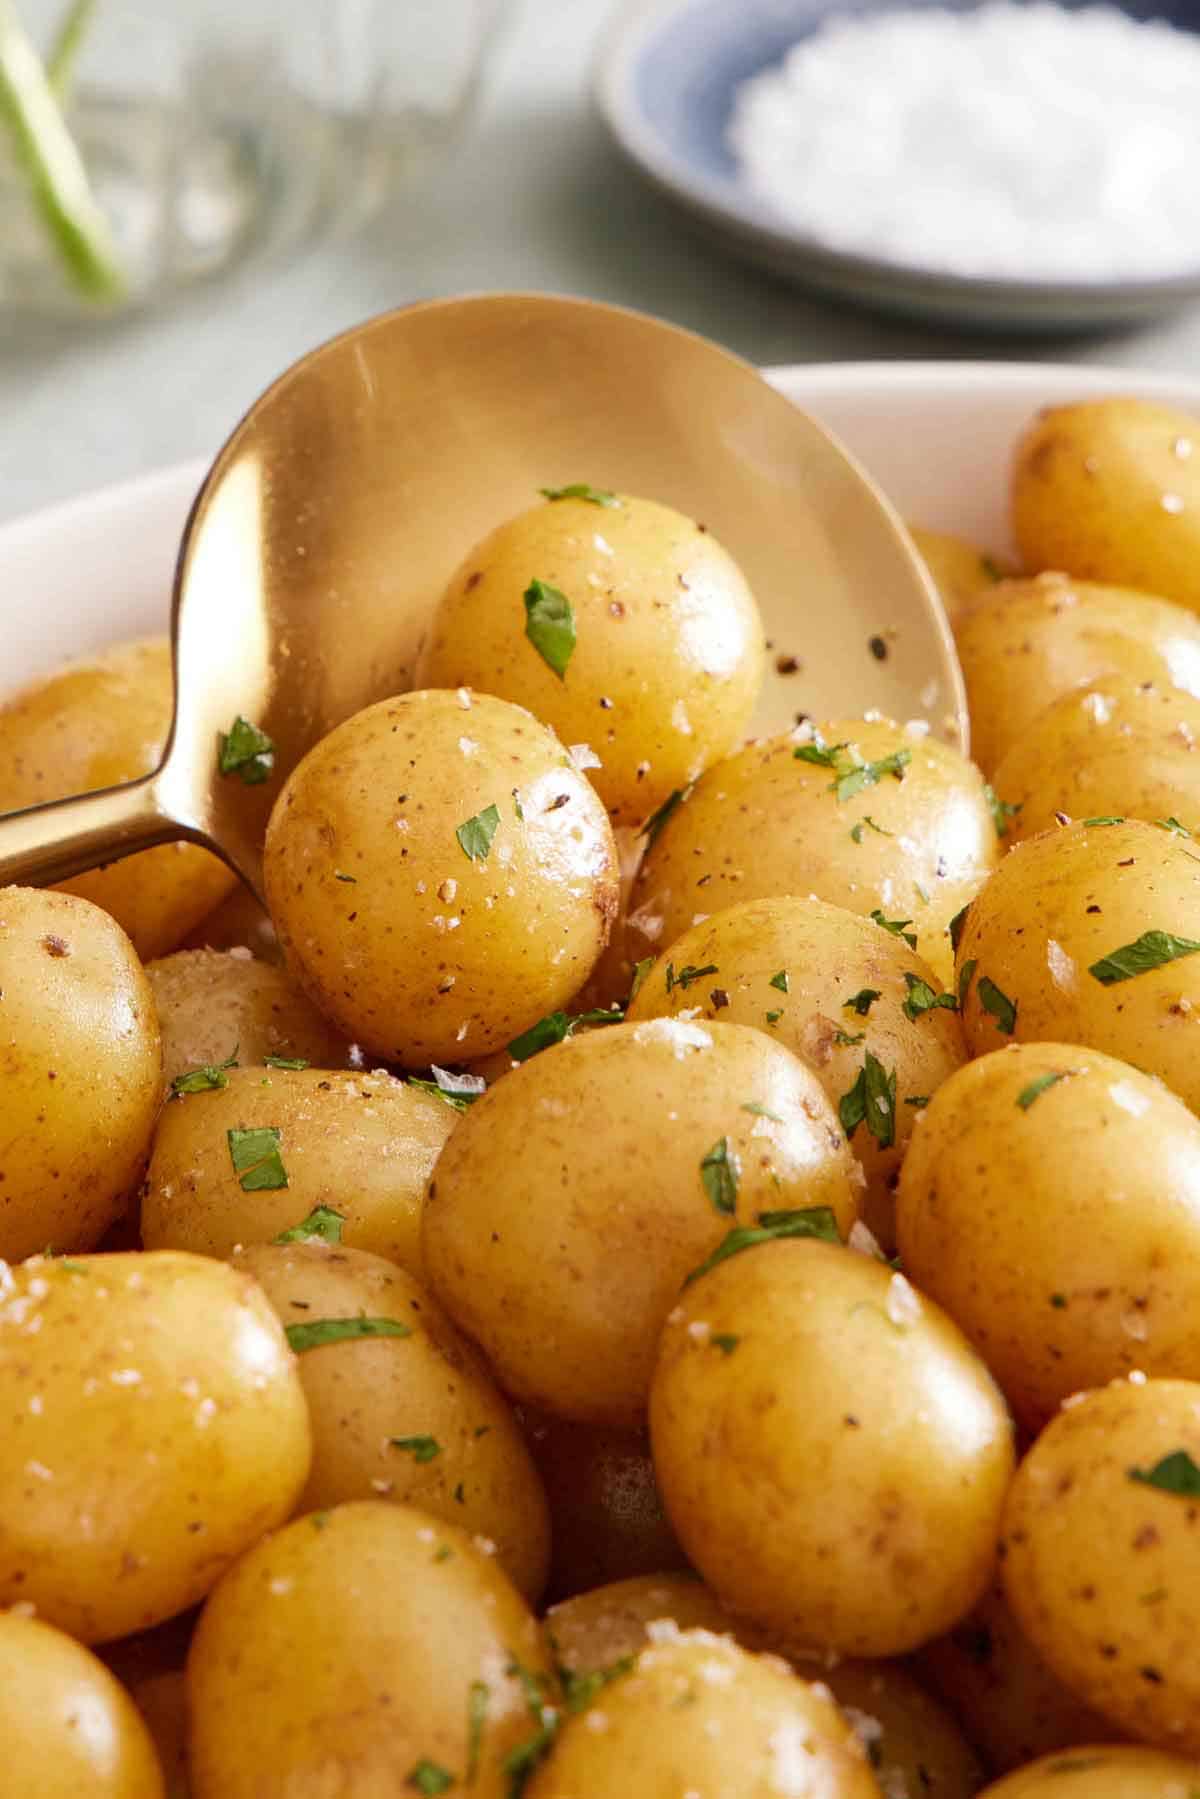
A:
(53, 842)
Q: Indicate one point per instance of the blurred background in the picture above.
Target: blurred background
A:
(263, 174)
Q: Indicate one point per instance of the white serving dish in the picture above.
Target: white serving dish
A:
(937, 436)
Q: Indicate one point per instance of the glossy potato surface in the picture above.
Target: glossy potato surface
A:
(668, 655)
(1120, 747)
(68, 1728)
(1064, 904)
(414, 1418)
(1110, 490)
(431, 951)
(1050, 1201)
(960, 569)
(1000, 1689)
(767, 822)
(837, 1476)
(212, 1006)
(831, 987)
(362, 1144)
(80, 1071)
(152, 1427)
(367, 1639)
(560, 1247)
(1023, 644)
(1100, 1540)
(1108, 1772)
(94, 724)
(699, 1713)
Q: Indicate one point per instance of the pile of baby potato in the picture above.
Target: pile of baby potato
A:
(745, 1197)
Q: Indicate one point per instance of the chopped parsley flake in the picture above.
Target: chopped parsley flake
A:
(475, 834)
(1153, 949)
(848, 1039)
(749, 1105)
(581, 490)
(856, 831)
(862, 1001)
(245, 751)
(458, 1091)
(922, 998)
(966, 975)
(640, 971)
(1176, 1473)
(340, 875)
(580, 1689)
(205, 1079)
(773, 1017)
(780, 981)
(866, 774)
(1103, 821)
(1000, 1007)
(818, 752)
(1172, 824)
(478, 1695)
(550, 625)
(872, 1100)
(319, 1331)
(422, 1449)
(1059, 1301)
(918, 1101)
(256, 1159)
(957, 924)
(520, 1762)
(897, 927)
(657, 820)
(293, 1064)
(556, 1027)
(322, 1222)
(1027, 1095)
(719, 1172)
(1000, 810)
(723, 1341)
(688, 975)
(812, 1221)
(991, 568)
(428, 1777)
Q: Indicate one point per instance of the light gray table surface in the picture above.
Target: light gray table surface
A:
(536, 198)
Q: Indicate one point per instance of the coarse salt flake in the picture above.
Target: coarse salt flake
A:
(903, 1302)
(1027, 142)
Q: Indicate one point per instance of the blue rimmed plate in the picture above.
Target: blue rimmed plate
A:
(665, 83)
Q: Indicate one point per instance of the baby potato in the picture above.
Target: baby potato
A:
(1110, 490)
(959, 568)
(1005, 1697)
(96, 723)
(860, 814)
(698, 1714)
(380, 1649)
(1110, 1772)
(161, 1699)
(831, 1452)
(909, 1738)
(831, 987)
(440, 875)
(1084, 935)
(560, 1247)
(1023, 644)
(622, 625)
(592, 1630)
(1119, 746)
(153, 1426)
(414, 1415)
(68, 1728)
(363, 1145)
(609, 1523)
(1100, 1544)
(80, 1071)
(1050, 1201)
(213, 1005)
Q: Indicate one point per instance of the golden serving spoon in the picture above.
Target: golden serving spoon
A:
(331, 520)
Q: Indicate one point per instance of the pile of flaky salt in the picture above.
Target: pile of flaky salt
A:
(1024, 142)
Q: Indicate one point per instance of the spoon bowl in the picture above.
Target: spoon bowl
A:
(322, 536)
